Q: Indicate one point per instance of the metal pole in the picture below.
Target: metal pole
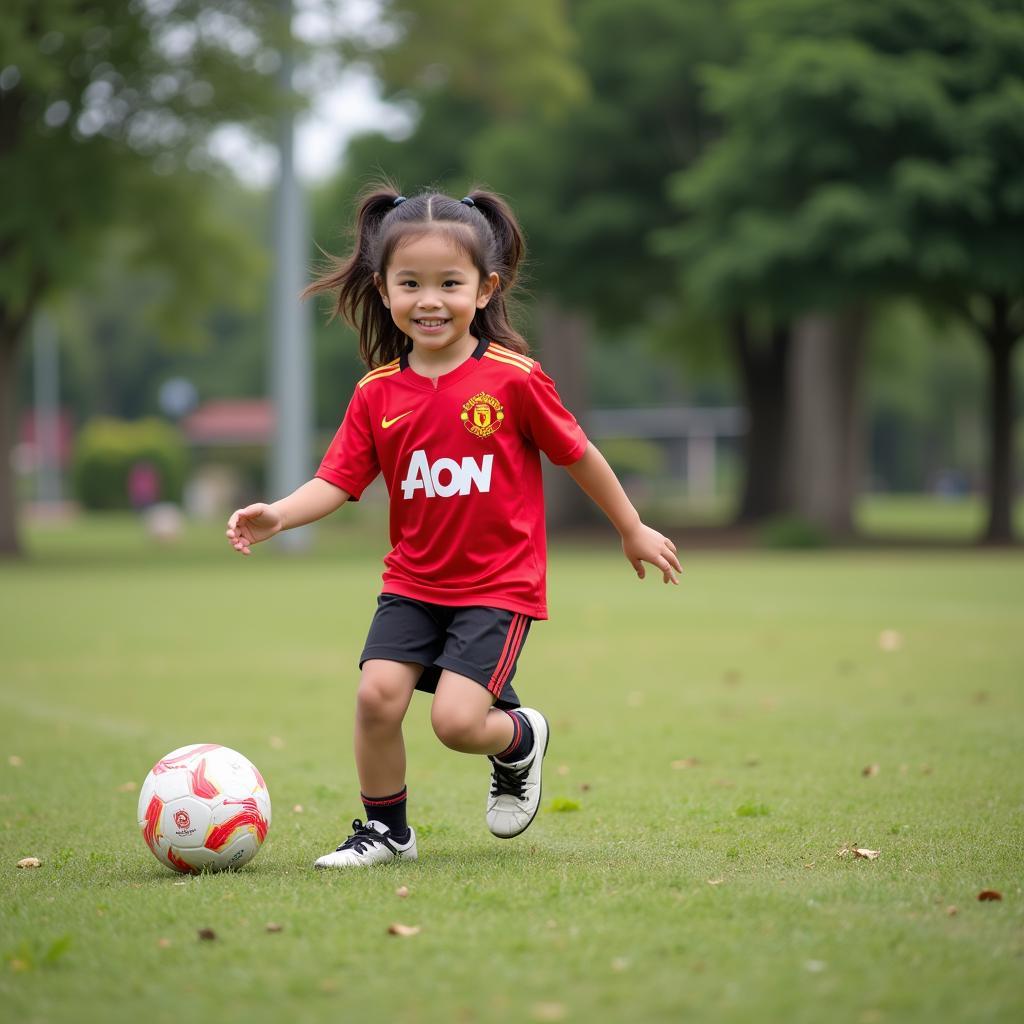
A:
(46, 402)
(290, 358)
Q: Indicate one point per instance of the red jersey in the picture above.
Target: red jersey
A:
(461, 461)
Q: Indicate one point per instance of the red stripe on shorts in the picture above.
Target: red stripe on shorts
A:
(513, 645)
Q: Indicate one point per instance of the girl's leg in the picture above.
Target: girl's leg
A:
(465, 719)
(385, 690)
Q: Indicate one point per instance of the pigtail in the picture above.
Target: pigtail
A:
(358, 302)
(493, 321)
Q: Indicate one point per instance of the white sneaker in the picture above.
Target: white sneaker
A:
(371, 843)
(514, 798)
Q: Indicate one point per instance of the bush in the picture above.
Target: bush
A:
(634, 456)
(107, 449)
(789, 532)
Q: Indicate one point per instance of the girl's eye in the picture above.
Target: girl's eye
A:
(454, 284)
(408, 284)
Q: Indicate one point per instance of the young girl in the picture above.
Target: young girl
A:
(454, 414)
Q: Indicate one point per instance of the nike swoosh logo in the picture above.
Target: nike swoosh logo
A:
(385, 422)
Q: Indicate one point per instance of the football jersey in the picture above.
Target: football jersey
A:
(461, 460)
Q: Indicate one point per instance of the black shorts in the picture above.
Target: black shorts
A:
(481, 643)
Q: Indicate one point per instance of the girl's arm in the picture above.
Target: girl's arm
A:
(313, 500)
(639, 543)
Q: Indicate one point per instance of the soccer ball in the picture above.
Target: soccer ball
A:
(204, 807)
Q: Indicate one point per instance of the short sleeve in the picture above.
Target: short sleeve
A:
(548, 424)
(351, 459)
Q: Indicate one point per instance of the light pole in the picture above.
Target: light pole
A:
(290, 345)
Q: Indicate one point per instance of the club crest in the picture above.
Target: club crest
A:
(482, 414)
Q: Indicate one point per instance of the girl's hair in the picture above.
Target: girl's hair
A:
(482, 226)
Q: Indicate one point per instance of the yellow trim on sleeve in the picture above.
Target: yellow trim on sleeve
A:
(387, 370)
(508, 362)
(502, 350)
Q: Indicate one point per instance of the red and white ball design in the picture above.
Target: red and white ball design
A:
(204, 807)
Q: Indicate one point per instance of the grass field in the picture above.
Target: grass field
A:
(706, 766)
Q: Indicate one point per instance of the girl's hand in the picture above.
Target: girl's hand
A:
(252, 524)
(642, 544)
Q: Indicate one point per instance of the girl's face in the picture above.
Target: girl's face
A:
(433, 290)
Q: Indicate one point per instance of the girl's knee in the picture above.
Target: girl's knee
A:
(455, 727)
(382, 698)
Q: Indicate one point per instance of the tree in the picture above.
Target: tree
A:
(105, 113)
(869, 151)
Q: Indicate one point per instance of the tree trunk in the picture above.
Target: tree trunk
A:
(9, 540)
(563, 338)
(824, 427)
(1000, 338)
(763, 365)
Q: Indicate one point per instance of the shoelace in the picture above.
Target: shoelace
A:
(364, 837)
(510, 781)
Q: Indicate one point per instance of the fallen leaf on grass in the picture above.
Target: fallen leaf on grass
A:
(988, 895)
(276, 743)
(584, 787)
(951, 911)
(14, 761)
(859, 852)
(715, 881)
(731, 677)
(402, 892)
(890, 640)
(809, 866)
(163, 943)
(207, 934)
(620, 964)
(297, 809)
(549, 1011)
(563, 769)
(405, 931)
(870, 771)
(29, 862)
(686, 762)
(18, 964)
(272, 926)
(127, 787)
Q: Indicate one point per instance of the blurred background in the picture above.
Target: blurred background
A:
(776, 256)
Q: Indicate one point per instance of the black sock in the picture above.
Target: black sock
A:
(389, 811)
(522, 739)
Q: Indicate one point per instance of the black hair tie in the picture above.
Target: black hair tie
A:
(398, 201)
(467, 201)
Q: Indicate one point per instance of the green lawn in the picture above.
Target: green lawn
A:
(711, 738)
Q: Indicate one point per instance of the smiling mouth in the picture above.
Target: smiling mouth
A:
(430, 323)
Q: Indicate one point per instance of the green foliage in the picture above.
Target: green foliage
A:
(791, 532)
(106, 110)
(634, 456)
(107, 449)
(866, 152)
(562, 805)
(752, 810)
